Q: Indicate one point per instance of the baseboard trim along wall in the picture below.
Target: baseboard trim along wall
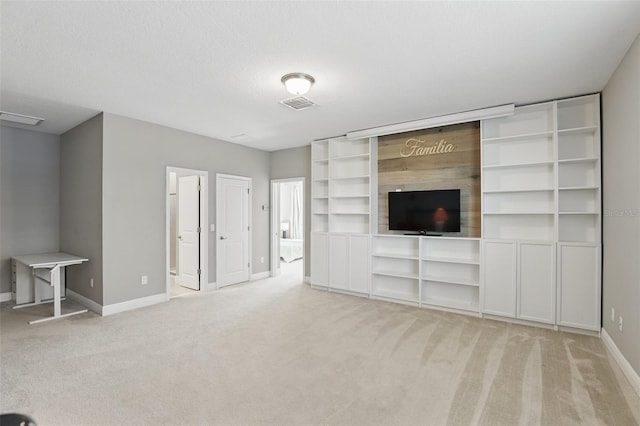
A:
(307, 280)
(260, 275)
(85, 301)
(627, 369)
(116, 307)
(210, 286)
(133, 304)
(5, 297)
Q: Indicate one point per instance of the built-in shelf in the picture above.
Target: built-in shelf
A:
(394, 256)
(503, 191)
(448, 280)
(578, 160)
(452, 260)
(352, 196)
(577, 188)
(395, 274)
(578, 130)
(517, 213)
(348, 157)
(520, 137)
(515, 165)
(335, 178)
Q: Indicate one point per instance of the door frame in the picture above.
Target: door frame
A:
(275, 224)
(204, 218)
(219, 204)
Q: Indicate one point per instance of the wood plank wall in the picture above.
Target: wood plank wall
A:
(459, 169)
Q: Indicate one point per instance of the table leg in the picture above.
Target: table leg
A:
(55, 282)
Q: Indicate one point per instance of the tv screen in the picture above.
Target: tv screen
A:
(425, 211)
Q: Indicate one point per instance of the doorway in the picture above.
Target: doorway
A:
(233, 224)
(186, 241)
(287, 225)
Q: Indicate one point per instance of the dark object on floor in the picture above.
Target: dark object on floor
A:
(15, 419)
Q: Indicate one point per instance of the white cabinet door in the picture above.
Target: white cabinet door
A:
(499, 278)
(536, 281)
(320, 259)
(339, 261)
(359, 263)
(579, 285)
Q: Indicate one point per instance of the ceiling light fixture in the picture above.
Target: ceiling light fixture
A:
(20, 119)
(297, 83)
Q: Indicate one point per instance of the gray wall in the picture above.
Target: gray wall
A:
(296, 162)
(81, 205)
(135, 157)
(29, 196)
(621, 203)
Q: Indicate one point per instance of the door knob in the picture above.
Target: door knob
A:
(223, 238)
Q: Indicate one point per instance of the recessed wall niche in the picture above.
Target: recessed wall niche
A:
(445, 157)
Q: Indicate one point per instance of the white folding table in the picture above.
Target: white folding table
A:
(52, 262)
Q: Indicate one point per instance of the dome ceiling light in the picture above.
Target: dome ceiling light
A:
(297, 83)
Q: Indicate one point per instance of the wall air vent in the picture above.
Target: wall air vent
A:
(298, 103)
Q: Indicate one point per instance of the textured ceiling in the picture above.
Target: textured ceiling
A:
(214, 68)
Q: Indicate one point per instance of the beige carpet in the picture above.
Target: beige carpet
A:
(276, 352)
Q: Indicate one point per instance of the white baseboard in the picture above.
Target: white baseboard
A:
(307, 280)
(209, 286)
(260, 275)
(133, 304)
(626, 368)
(5, 297)
(85, 301)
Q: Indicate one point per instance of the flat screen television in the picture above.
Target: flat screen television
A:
(425, 211)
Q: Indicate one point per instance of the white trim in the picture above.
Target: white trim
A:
(274, 229)
(260, 275)
(307, 280)
(5, 297)
(133, 304)
(627, 369)
(85, 301)
(442, 120)
(218, 215)
(204, 225)
(209, 286)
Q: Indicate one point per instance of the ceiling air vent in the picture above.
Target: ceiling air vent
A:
(298, 103)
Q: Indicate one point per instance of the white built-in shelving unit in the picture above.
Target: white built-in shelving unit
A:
(538, 259)
(540, 204)
(341, 214)
(427, 271)
(579, 213)
(395, 268)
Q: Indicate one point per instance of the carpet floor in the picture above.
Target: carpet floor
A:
(276, 352)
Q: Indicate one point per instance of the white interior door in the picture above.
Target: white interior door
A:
(189, 232)
(233, 230)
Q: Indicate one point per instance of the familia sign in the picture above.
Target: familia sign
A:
(417, 147)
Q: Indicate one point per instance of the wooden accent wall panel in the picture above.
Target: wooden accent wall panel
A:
(440, 158)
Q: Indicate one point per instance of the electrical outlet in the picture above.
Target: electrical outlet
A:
(91, 282)
(613, 314)
(143, 280)
(620, 323)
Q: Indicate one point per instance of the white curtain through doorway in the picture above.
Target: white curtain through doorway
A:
(296, 211)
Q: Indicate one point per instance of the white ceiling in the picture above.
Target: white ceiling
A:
(214, 68)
